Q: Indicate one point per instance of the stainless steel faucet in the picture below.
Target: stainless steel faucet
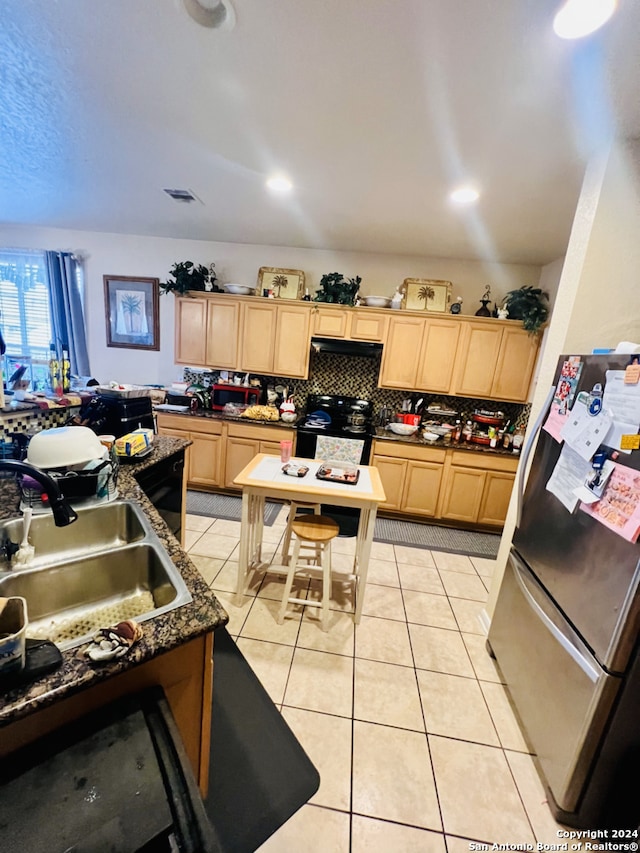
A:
(63, 514)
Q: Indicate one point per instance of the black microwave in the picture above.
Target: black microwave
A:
(240, 395)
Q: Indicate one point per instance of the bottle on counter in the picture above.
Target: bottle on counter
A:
(55, 378)
(65, 370)
(467, 432)
(457, 433)
(518, 440)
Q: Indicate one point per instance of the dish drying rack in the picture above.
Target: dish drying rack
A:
(91, 488)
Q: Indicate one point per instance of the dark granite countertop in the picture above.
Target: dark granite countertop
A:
(162, 634)
(220, 416)
(382, 434)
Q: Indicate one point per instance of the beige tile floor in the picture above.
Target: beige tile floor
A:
(404, 715)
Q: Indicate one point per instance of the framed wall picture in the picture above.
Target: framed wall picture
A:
(131, 311)
(425, 294)
(282, 284)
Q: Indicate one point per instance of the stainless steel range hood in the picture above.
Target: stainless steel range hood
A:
(362, 349)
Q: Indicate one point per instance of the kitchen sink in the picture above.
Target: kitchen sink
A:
(68, 601)
(98, 528)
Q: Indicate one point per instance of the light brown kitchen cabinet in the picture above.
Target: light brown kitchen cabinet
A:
(400, 354)
(368, 325)
(191, 331)
(245, 440)
(291, 345)
(275, 338)
(257, 337)
(477, 487)
(330, 322)
(419, 354)
(223, 324)
(495, 498)
(411, 485)
(495, 362)
(205, 464)
(207, 332)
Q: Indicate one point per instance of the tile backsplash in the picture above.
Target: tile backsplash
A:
(355, 376)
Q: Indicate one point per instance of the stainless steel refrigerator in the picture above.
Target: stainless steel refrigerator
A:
(565, 635)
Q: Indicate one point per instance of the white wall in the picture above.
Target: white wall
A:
(117, 254)
(593, 308)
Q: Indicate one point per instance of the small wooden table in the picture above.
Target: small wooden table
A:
(263, 478)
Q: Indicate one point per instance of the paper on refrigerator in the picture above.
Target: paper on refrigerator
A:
(583, 432)
(568, 477)
(619, 507)
(622, 402)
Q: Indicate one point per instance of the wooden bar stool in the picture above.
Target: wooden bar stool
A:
(294, 506)
(313, 533)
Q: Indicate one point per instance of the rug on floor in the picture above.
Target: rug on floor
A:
(469, 542)
(228, 507)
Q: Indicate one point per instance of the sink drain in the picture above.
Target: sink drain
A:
(64, 628)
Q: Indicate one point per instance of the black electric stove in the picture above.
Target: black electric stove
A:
(337, 416)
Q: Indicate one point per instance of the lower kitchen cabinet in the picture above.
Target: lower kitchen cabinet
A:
(411, 485)
(221, 449)
(444, 483)
(477, 488)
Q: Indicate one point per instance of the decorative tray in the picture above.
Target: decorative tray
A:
(338, 473)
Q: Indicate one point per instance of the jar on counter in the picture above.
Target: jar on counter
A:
(467, 432)
(518, 440)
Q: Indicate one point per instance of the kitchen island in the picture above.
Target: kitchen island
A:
(175, 651)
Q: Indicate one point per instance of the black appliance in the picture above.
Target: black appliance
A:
(565, 631)
(360, 349)
(339, 417)
(240, 395)
(123, 415)
(162, 484)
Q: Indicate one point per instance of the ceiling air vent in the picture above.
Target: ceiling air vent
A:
(182, 195)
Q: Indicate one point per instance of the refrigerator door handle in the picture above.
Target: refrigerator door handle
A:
(569, 647)
(527, 450)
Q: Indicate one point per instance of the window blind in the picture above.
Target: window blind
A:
(25, 305)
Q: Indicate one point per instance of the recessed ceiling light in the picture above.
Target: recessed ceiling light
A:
(579, 18)
(279, 184)
(213, 14)
(464, 195)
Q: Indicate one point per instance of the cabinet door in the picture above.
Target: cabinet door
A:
(240, 451)
(222, 334)
(205, 467)
(330, 322)
(477, 360)
(368, 326)
(291, 346)
(258, 324)
(518, 351)
(392, 474)
(422, 487)
(462, 494)
(401, 353)
(191, 331)
(495, 498)
(438, 355)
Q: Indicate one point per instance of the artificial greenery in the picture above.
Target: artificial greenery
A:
(186, 276)
(335, 288)
(529, 304)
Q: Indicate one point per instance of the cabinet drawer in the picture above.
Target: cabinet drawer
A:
(182, 422)
(486, 461)
(412, 452)
(259, 432)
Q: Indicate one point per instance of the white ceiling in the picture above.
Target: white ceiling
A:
(374, 108)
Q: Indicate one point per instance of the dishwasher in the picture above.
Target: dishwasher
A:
(162, 483)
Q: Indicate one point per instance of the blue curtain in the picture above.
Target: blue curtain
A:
(65, 272)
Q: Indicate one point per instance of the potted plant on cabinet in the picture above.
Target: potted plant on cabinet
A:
(335, 288)
(186, 276)
(529, 304)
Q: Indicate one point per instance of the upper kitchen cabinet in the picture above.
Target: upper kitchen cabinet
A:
(207, 332)
(495, 361)
(349, 323)
(419, 354)
(275, 338)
